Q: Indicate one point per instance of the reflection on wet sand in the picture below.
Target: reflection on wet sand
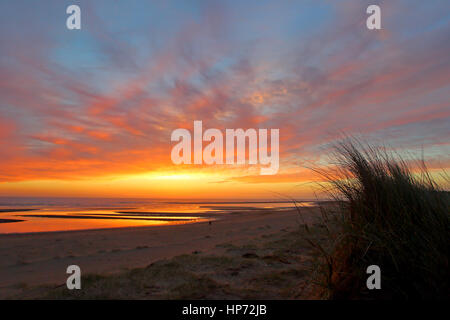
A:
(79, 217)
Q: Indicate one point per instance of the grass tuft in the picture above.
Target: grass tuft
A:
(387, 215)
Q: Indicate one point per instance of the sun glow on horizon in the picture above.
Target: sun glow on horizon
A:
(167, 175)
(179, 184)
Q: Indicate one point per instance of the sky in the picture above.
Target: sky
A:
(90, 112)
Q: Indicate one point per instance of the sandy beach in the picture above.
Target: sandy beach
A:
(30, 260)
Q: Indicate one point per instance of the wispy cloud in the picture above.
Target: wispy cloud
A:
(104, 101)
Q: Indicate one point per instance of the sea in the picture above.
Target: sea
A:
(49, 214)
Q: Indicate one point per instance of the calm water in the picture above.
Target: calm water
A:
(62, 214)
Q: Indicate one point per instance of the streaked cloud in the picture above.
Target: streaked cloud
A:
(103, 101)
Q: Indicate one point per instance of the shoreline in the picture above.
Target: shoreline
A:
(58, 219)
(37, 259)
